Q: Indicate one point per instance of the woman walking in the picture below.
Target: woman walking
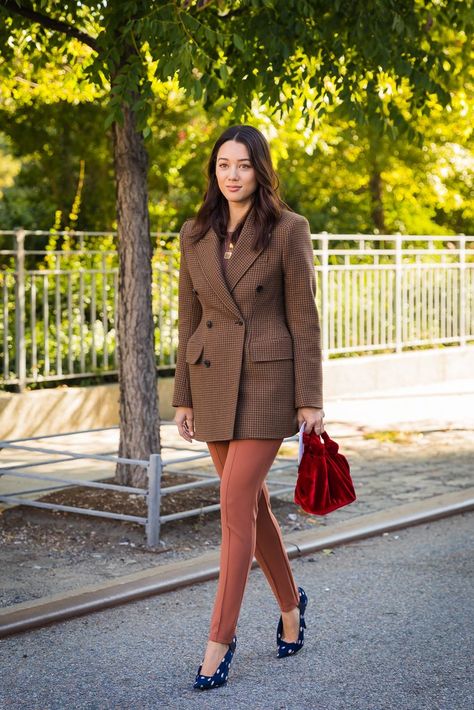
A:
(248, 371)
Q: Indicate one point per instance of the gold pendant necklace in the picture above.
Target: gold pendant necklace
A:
(228, 251)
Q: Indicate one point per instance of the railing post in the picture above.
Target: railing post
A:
(398, 293)
(154, 493)
(325, 295)
(462, 290)
(20, 351)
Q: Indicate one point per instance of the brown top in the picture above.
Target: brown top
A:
(224, 247)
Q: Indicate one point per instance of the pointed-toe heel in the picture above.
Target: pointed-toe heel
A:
(286, 648)
(206, 682)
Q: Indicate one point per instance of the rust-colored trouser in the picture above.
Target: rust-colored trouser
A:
(248, 528)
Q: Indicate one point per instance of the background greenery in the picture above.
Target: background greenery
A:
(342, 176)
(373, 136)
(368, 135)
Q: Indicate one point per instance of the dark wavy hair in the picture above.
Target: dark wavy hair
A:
(267, 204)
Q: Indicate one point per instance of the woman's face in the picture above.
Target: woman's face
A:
(235, 173)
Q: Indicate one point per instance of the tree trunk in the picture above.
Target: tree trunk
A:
(376, 200)
(139, 418)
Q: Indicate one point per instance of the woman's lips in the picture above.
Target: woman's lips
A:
(233, 188)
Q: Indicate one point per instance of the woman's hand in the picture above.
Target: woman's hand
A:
(313, 416)
(184, 420)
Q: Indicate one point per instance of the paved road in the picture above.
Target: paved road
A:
(389, 627)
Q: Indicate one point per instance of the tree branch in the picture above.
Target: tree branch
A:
(48, 22)
(200, 5)
(203, 4)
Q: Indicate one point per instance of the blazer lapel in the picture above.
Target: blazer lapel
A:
(243, 255)
(208, 254)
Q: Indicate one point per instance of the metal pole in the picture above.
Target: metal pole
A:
(325, 295)
(154, 494)
(462, 291)
(398, 293)
(20, 308)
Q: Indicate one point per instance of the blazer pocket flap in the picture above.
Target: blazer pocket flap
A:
(194, 351)
(281, 349)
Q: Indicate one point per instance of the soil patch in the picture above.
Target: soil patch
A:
(134, 503)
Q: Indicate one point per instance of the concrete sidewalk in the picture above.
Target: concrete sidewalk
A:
(448, 405)
(48, 553)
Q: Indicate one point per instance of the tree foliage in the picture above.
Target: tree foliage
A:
(325, 171)
(350, 89)
(355, 55)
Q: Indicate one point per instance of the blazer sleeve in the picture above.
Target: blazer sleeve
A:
(302, 314)
(189, 316)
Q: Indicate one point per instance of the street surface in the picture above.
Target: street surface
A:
(389, 622)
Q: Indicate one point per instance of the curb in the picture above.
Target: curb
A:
(58, 607)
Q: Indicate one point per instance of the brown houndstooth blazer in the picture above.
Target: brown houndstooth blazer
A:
(249, 349)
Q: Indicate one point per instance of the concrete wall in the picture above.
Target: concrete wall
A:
(64, 409)
(373, 373)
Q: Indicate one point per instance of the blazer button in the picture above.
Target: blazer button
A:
(209, 323)
(259, 288)
(207, 363)
(239, 322)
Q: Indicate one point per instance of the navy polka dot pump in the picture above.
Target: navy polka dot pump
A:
(205, 682)
(286, 648)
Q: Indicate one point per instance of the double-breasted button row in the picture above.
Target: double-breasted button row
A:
(237, 322)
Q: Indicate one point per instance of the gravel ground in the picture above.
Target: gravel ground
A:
(44, 552)
(389, 627)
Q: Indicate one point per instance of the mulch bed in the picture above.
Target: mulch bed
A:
(50, 532)
(134, 503)
(62, 530)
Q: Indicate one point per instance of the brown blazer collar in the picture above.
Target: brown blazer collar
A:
(208, 253)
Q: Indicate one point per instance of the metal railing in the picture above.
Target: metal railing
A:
(153, 493)
(419, 292)
(58, 305)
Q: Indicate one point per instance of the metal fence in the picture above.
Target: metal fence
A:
(58, 299)
(153, 493)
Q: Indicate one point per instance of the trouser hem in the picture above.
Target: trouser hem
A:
(220, 639)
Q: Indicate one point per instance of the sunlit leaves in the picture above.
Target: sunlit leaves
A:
(274, 50)
(389, 70)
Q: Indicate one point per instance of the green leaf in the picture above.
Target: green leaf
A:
(224, 72)
(238, 42)
(197, 88)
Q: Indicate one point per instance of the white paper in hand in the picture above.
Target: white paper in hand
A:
(300, 443)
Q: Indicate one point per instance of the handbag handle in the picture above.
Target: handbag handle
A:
(315, 446)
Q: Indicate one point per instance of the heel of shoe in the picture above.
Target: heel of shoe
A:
(206, 682)
(285, 648)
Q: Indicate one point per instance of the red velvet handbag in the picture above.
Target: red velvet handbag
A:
(324, 480)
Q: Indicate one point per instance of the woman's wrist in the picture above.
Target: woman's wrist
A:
(318, 409)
